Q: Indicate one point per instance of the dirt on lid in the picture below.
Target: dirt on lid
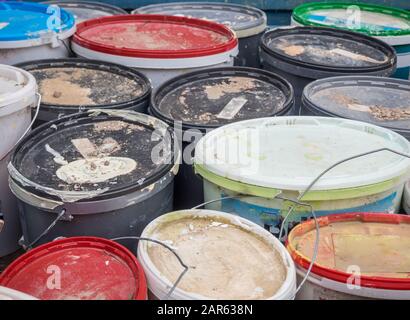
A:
(85, 87)
(95, 156)
(327, 50)
(219, 100)
(365, 103)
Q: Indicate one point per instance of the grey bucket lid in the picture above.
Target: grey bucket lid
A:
(328, 48)
(86, 10)
(377, 100)
(211, 98)
(244, 20)
(93, 153)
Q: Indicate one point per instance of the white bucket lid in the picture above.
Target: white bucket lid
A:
(11, 294)
(17, 89)
(290, 152)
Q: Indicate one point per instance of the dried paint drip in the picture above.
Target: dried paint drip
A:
(225, 261)
(95, 170)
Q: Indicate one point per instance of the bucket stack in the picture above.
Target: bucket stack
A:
(196, 150)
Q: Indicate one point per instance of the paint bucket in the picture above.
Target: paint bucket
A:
(32, 30)
(17, 96)
(360, 256)
(381, 101)
(86, 10)
(10, 294)
(78, 268)
(157, 49)
(247, 22)
(69, 86)
(104, 173)
(265, 162)
(228, 258)
(198, 102)
(389, 24)
(304, 54)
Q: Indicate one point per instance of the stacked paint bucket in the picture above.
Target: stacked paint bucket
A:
(99, 168)
(385, 23)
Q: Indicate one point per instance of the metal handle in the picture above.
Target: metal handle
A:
(60, 216)
(29, 127)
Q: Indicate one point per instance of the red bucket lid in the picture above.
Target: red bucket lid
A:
(370, 281)
(78, 268)
(154, 36)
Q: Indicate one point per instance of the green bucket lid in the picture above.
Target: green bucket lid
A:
(373, 20)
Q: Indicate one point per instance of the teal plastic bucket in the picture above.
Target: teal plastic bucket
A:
(389, 24)
(256, 167)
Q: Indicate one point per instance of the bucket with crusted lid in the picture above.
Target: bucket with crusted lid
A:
(249, 23)
(30, 30)
(198, 102)
(104, 173)
(258, 160)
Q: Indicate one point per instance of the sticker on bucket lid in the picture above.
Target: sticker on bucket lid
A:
(201, 100)
(232, 108)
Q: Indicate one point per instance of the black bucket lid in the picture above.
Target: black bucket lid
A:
(327, 49)
(94, 154)
(212, 98)
(244, 20)
(70, 84)
(377, 100)
(85, 10)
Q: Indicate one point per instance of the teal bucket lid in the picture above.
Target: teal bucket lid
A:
(373, 20)
(24, 21)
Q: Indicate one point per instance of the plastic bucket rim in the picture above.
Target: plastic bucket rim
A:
(231, 43)
(342, 277)
(93, 65)
(382, 46)
(294, 120)
(88, 242)
(87, 5)
(256, 229)
(303, 8)
(181, 80)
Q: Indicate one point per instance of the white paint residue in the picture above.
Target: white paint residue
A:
(232, 108)
(95, 170)
(58, 158)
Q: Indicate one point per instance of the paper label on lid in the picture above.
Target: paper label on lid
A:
(232, 108)
(359, 107)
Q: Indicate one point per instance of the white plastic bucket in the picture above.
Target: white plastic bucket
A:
(148, 52)
(31, 30)
(17, 96)
(333, 282)
(159, 285)
(11, 294)
(255, 161)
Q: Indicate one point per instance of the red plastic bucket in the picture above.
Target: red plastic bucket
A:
(328, 280)
(159, 46)
(78, 268)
